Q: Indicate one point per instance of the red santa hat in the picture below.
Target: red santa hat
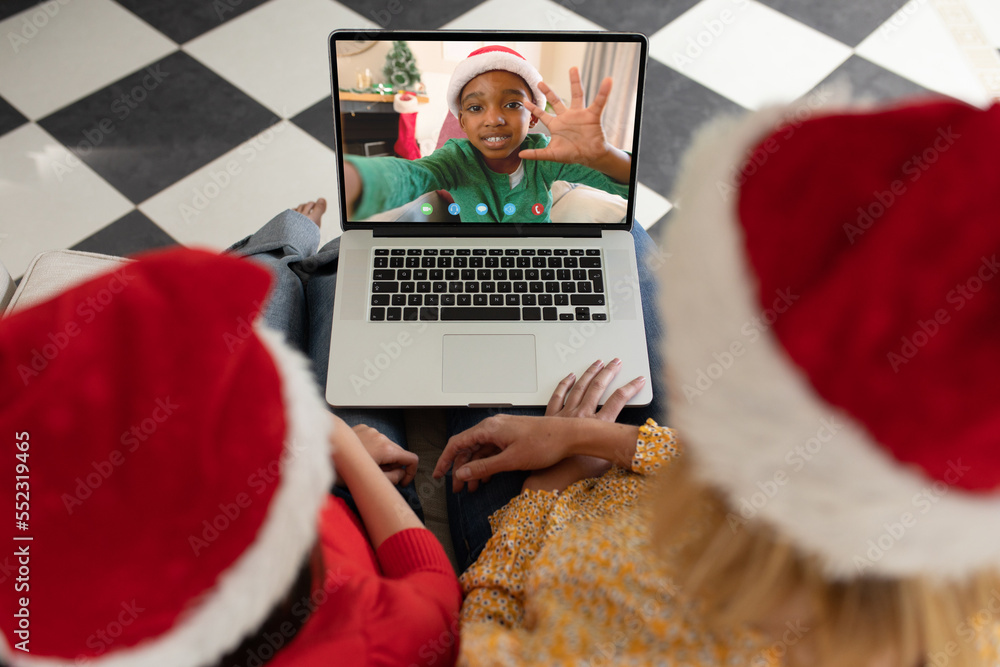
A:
(176, 453)
(487, 59)
(833, 307)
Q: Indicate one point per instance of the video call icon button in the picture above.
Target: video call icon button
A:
(481, 208)
(426, 208)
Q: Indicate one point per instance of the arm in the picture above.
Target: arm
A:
(573, 426)
(577, 135)
(383, 511)
(376, 184)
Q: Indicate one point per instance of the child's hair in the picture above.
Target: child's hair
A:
(742, 571)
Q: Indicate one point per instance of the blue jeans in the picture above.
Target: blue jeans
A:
(301, 305)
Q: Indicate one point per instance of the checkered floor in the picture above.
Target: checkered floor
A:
(136, 124)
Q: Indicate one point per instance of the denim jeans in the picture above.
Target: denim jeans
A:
(301, 306)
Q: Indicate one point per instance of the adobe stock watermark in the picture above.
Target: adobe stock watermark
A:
(711, 29)
(969, 631)
(223, 176)
(795, 460)
(752, 330)
(913, 168)
(102, 639)
(274, 641)
(756, 157)
(34, 22)
(57, 341)
(609, 652)
(774, 654)
(230, 512)
(900, 18)
(121, 108)
(131, 439)
(958, 297)
(922, 503)
(623, 291)
(374, 366)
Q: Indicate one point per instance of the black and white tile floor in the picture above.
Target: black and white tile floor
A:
(135, 124)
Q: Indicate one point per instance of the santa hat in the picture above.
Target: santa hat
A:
(177, 457)
(487, 59)
(833, 307)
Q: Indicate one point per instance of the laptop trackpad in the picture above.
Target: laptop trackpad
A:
(489, 363)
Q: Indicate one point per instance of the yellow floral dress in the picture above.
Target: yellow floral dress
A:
(568, 578)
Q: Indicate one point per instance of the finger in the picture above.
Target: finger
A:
(597, 106)
(538, 112)
(479, 469)
(395, 475)
(600, 383)
(410, 474)
(575, 88)
(553, 97)
(460, 461)
(459, 442)
(536, 154)
(617, 400)
(559, 395)
(576, 394)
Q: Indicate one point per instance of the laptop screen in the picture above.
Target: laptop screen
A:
(487, 128)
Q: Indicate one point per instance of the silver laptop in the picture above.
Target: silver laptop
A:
(469, 276)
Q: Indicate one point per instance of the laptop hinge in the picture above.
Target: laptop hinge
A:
(473, 231)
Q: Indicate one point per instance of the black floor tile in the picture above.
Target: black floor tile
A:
(868, 81)
(412, 14)
(848, 21)
(10, 7)
(317, 120)
(131, 233)
(644, 17)
(181, 20)
(158, 125)
(674, 107)
(10, 118)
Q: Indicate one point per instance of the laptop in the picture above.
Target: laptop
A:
(468, 276)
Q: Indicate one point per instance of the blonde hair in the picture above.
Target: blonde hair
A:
(741, 571)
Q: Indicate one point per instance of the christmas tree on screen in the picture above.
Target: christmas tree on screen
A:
(400, 67)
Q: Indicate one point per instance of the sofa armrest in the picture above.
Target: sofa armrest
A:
(55, 271)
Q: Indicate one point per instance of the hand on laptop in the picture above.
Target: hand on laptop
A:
(577, 135)
(572, 426)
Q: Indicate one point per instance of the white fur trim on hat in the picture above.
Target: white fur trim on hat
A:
(474, 65)
(245, 594)
(757, 430)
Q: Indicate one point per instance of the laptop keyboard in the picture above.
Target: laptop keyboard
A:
(487, 284)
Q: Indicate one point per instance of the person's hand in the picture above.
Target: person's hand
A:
(508, 442)
(577, 135)
(579, 399)
(399, 465)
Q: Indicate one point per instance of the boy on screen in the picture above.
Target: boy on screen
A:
(499, 173)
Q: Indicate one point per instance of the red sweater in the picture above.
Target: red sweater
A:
(395, 606)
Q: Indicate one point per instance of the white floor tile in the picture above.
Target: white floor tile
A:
(62, 52)
(237, 193)
(916, 44)
(51, 200)
(514, 15)
(650, 206)
(278, 52)
(747, 51)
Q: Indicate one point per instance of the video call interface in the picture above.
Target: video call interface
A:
(414, 160)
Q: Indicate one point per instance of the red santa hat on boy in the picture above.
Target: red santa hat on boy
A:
(177, 458)
(833, 308)
(487, 59)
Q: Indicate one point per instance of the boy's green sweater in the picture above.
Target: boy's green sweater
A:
(458, 167)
